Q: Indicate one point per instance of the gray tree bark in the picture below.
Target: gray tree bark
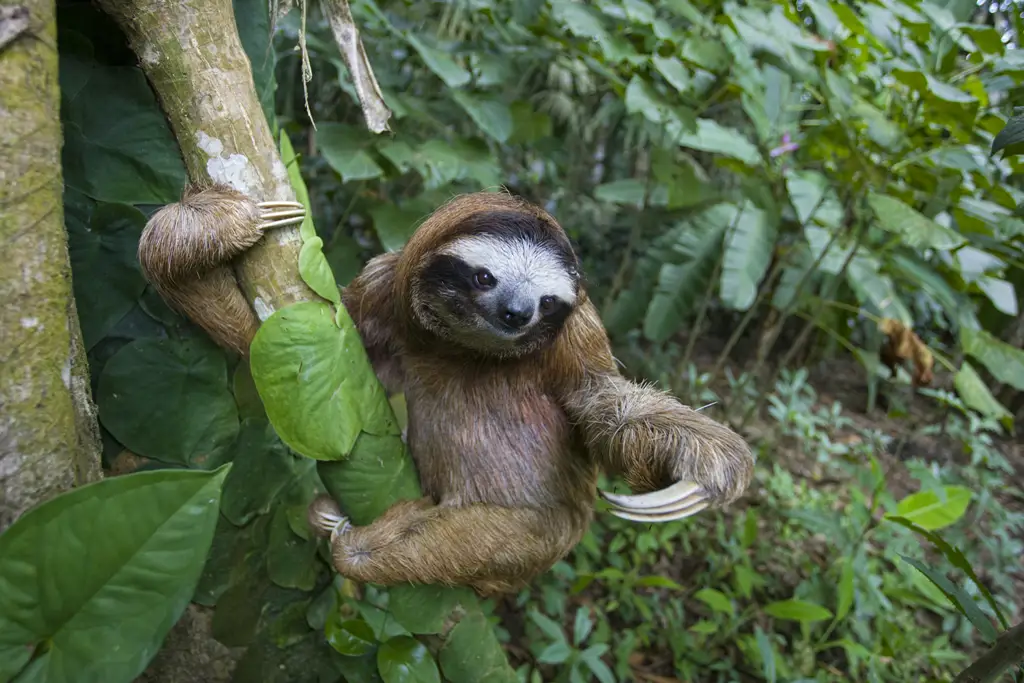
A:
(49, 438)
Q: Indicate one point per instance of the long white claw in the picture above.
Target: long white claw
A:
(291, 213)
(672, 506)
(281, 205)
(663, 517)
(655, 499)
(283, 221)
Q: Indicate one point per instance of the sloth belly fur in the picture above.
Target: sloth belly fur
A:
(494, 436)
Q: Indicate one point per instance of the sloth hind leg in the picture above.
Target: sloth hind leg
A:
(490, 548)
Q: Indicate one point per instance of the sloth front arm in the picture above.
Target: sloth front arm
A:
(680, 458)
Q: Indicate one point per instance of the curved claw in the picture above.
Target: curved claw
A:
(663, 517)
(671, 506)
(655, 499)
(276, 214)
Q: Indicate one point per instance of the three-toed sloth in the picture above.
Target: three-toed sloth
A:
(514, 399)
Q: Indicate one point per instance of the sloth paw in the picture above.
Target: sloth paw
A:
(678, 501)
(279, 214)
(325, 517)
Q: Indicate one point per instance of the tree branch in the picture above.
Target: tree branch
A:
(191, 52)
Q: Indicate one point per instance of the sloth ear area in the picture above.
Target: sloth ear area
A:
(678, 501)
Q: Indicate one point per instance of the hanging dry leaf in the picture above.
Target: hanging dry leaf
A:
(903, 345)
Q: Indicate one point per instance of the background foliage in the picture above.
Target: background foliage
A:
(752, 188)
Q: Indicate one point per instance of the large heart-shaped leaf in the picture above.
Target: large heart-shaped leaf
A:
(473, 653)
(316, 381)
(99, 575)
(136, 161)
(170, 400)
(378, 474)
(102, 244)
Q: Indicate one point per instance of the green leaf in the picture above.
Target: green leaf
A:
(170, 400)
(252, 17)
(958, 598)
(930, 85)
(453, 75)
(628, 191)
(716, 600)
(845, 598)
(704, 627)
(344, 148)
(102, 242)
(870, 286)
(934, 510)
(1001, 293)
(764, 647)
(473, 654)
(579, 19)
(316, 381)
(814, 198)
(136, 161)
(292, 561)
(108, 567)
(674, 72)
(1011, 137)
(1005, 362)
(492, 115)
(529, 125)
(551, 628)
(748, 252)
(352, 637)
(681, 284)
(957, 559)
(403, 659)
(394, 224)
(424, 609)
(916, 230)
(797, 610)
(291, 162)
(262, 468)
(715, 138)
(976, 395)
(377, 474)
(316, 272)
(581, 626)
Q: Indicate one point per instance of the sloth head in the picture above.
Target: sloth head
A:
(502, 280)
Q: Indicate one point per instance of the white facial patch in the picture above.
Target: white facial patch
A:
(517, 264)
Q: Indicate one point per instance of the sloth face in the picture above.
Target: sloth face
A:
(505, 286)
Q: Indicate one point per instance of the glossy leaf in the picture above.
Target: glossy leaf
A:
(976, 395)
(748, 252)
(316, 381)
(73, 585)
(797, 610)
(344, 148)
(262, 468)
(446, 68)
(1011, 137)
(377, 474)
(291, 560)
(403, 659)
(915, 229)
(316, 272)
(170, 400)
(102, 242)
(424, 609)
(715, 138)
(1005, 362)
(352, 637)
(933, 510)
(136, 161)
(715, 599)
(492, 115)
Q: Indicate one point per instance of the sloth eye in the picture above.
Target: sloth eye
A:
(547, 305)
(483, 279)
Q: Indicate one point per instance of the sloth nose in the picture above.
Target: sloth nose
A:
(517, 314)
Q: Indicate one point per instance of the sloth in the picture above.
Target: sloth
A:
(515, 402)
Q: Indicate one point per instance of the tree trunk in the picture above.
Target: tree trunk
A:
(49, 438)
(193, 57)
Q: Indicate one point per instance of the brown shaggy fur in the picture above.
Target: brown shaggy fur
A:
(507, 445)
(185, 252)
(508, 449)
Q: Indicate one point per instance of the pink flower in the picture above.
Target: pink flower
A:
(784, 148)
